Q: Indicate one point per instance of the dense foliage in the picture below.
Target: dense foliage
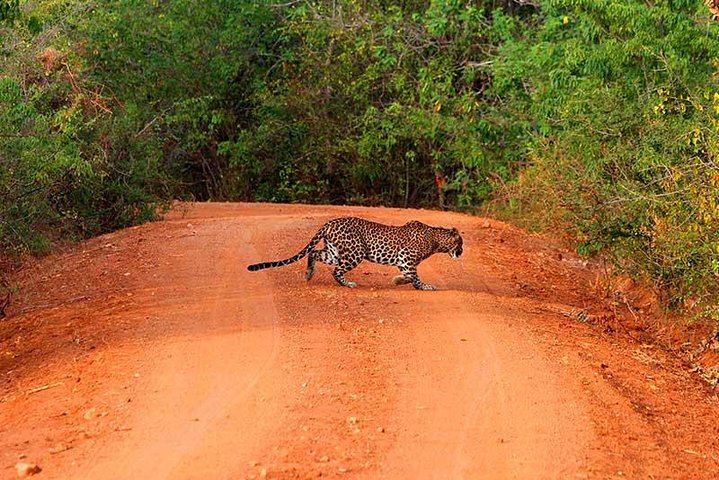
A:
(626, 102)
(593, 118)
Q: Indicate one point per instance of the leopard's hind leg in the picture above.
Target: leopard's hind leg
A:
(328, 255)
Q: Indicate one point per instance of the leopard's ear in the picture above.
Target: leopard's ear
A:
(454, 231)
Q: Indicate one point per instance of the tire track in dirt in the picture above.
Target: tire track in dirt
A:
(203, 389)
(480, 400)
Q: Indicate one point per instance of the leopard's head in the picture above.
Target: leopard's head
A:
(450, 241)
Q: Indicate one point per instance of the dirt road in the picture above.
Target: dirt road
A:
(153, 353)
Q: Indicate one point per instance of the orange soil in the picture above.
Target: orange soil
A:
(153, 353)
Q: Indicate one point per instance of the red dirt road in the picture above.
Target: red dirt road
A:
(153, 353)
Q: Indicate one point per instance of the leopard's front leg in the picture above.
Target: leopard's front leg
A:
(345, 265)
(409, 275)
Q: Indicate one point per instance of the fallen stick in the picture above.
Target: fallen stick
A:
(44, 387)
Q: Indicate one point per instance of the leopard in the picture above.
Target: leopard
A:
(350, 240)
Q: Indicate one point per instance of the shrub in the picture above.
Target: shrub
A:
(623, 157)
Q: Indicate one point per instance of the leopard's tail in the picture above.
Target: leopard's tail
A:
(302, 253)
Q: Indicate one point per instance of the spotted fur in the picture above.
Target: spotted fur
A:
(349, 240)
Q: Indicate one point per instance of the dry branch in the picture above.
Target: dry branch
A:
(44, 387)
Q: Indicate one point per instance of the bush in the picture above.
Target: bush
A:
(622, 95)
(65, 169)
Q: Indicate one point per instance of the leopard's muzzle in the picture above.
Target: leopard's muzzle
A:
(456, 252)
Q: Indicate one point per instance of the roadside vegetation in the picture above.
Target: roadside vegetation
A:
(594, 120)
